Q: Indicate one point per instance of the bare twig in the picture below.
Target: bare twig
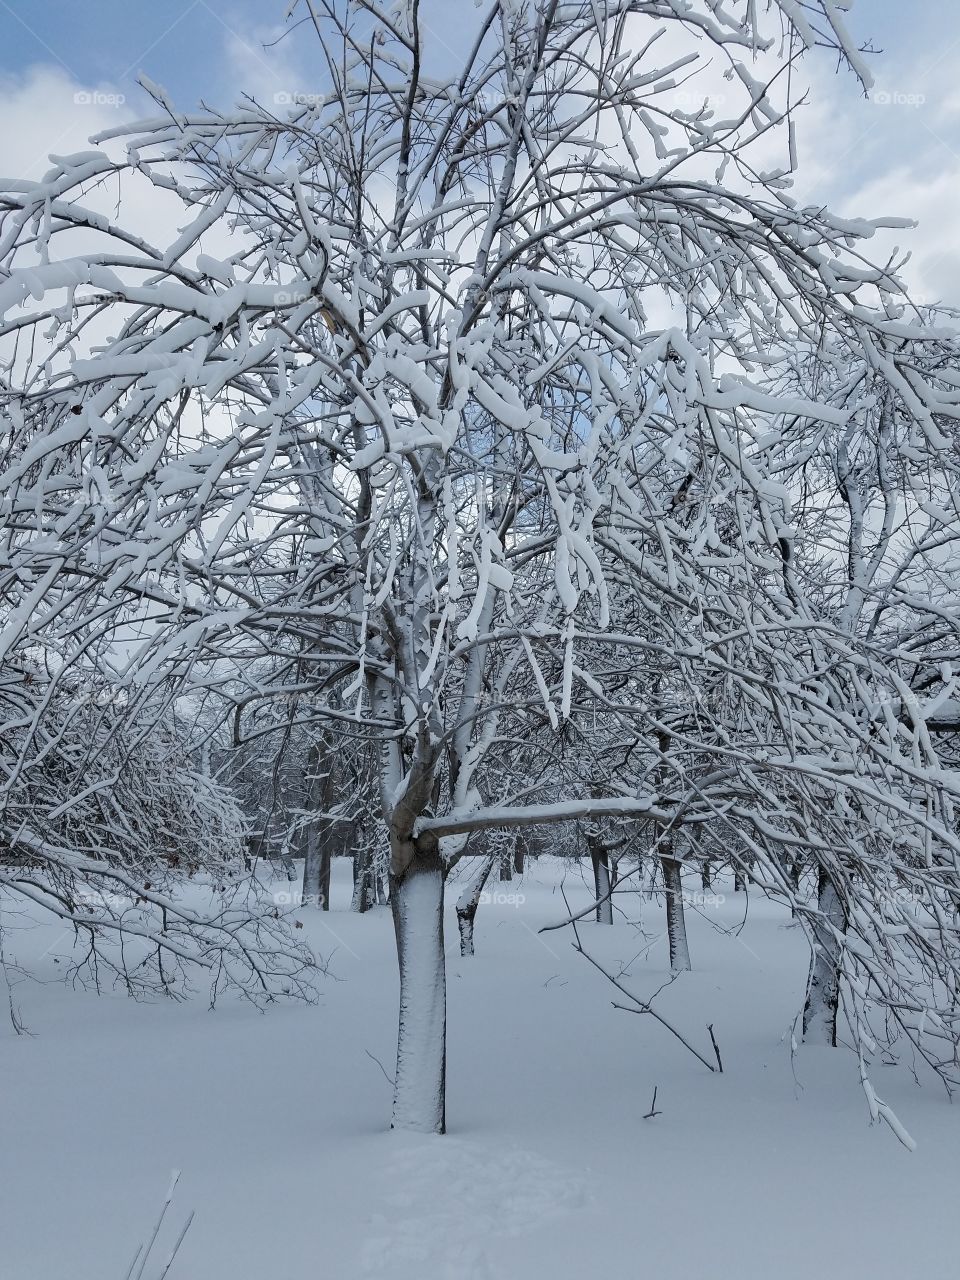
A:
(142, 1254)
(716, 1049)
(389, 1078)
(176, 1248)
(644, 1006)
(653, 1106)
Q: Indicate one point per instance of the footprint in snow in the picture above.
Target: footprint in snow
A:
(441, 1202)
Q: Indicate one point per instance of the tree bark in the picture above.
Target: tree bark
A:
(506, 866)
(601, 879)
(324, 884)
(380, 886)
(286, 861)
(676, 921)
(362, 877)
(416, 898)
(794, 870)
(795, 867)
(672, 877)
(312, 895)
(706, 874)
(823, 986)
(467, 905)
(316, 857)
(518, 854)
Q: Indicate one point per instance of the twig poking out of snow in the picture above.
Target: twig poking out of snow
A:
(643, 1006)
(142, 1256)
(716, 1048)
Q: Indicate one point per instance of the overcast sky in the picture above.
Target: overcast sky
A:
(68, 69)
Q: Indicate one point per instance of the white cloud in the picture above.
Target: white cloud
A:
(47, 112)
(863, 158)
(894, 155)
(261, 63)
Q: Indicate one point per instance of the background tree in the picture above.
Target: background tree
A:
(104, 815)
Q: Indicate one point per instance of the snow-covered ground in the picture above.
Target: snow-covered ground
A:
(549, 1169)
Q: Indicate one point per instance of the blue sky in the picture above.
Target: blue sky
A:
(182, 43)
(898, 154)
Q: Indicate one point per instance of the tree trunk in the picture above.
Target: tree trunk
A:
(706, 874)
(506, 866)
(796, 866)
(316, 856)
(313, 895)
(823, 987)
(362, 876)
(286, 861)
(672, 878)
(601, 880)
(467, 905)
(794, 870)
(325, 864)
(676, 922)
(316, 867)
(416, 900)
(518, 854)
(739, 879)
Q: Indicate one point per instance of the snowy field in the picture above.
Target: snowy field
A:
(549, 1169)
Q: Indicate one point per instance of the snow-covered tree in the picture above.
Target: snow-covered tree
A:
(103, 816)
(466, 406)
